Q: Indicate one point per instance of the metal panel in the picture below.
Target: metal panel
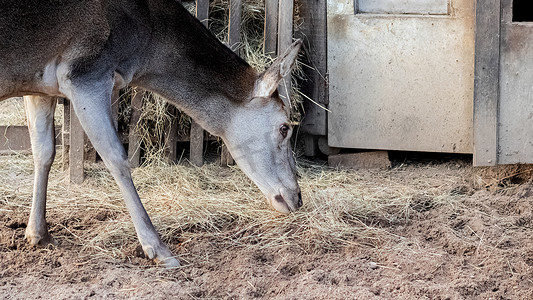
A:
(401, 82)
(486, 82)
(516, 90)
(403, 6)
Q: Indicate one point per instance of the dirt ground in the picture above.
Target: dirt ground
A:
(478, 246)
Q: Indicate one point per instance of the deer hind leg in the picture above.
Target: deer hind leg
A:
(93, 108)
(40, 115)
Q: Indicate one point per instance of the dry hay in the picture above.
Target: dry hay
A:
(221, 204)
(12, 113)
(502, 176)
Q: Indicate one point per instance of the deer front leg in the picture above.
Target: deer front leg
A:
(93, 108)
(40, 115)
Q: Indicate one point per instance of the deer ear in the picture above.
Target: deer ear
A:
(267, 83)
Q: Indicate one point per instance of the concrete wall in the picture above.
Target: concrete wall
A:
(401, 81)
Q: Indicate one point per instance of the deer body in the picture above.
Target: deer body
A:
(82, 49)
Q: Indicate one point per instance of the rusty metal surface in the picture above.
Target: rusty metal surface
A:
(401, 82)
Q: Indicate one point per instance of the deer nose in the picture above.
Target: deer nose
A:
(283, 203)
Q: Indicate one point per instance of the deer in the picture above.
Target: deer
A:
(82, 49)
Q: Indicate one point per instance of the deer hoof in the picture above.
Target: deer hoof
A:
(39, 240)
(161, 255)
(169, 262)
(149, 252)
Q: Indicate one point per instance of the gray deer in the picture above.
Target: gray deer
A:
(81, 49)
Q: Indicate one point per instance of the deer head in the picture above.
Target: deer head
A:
(259, 137)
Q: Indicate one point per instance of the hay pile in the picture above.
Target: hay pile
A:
(12, 112)
(221, 204)
(502, 176)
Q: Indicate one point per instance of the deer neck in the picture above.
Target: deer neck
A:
(193, 70)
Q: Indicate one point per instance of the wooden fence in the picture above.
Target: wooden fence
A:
(278, 37)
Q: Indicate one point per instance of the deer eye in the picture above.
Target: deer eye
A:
(284, 129)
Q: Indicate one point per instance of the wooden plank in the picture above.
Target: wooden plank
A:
(16, 139)
(197, 132)
(225, 157)
(197, 145)
(134, 138)
(486, 82)
(310, 145)
(314, 34)
(202, 11)
(77, 147)
(234, 26)
(285, 20)
(234, 41)
(171, 138)
(65, 133)
(271, 27)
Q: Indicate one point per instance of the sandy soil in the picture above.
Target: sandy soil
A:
(478, 247)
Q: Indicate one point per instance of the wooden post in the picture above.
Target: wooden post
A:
(486, 82)
(197, 132)
(65, 132)
(197, 144)
(271, 27)
(77, 149)
(285, 20)
(234, 26)
(314, 34)
(171, 139)
(134, 143)
(202, 11)
(234, 40)
(310, 145)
